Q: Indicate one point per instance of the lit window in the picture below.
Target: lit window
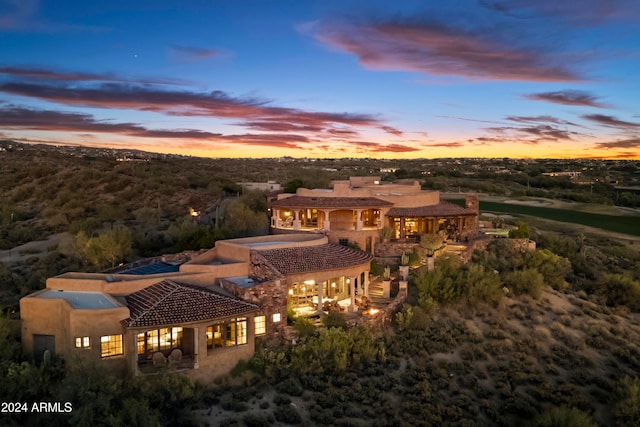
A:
(159, 339)
(227, 334)
(83, 342)
(261, 325)
(111, 345)
(276, 317)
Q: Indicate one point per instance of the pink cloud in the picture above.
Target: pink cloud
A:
(438, 48)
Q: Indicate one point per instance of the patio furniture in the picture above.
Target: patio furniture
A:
(175, 357)
(159, 359)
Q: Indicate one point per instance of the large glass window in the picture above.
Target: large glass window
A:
(163, 339)
(111, 345)
(303, 294)
(370, 217)
(230, 333)
(309, 217)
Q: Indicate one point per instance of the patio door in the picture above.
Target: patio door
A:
(42, 343)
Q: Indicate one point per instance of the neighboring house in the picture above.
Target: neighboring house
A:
(269, 186)
(201, 314)
(355, 211)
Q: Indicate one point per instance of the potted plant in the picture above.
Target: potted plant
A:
(430, 243)
(404, 266)
(386, 282)
(386, 233)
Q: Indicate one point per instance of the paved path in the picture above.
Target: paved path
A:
(31, 249)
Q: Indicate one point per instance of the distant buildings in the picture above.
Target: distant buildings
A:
(269, 186)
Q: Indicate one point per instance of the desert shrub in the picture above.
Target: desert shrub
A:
(287, 414)
(555, 269)
(451, 282)
(334, 320)
(627, 408)
(280, 399)
(304, 326)
(619, 289)
(229, 403)
(527, 281)
(290, 386)
(255, 420)
(564, 417)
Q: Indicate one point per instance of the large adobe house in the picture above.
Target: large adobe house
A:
(201, 313)
(356, 210)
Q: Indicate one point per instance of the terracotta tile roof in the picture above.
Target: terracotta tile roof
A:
(330, 202)
(170, 303)
(329, 256)
(439, 210)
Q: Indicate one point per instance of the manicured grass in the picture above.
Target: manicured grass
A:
(617, 224)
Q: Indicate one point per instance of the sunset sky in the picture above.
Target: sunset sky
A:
(362, 78)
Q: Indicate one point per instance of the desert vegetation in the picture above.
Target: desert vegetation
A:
(545, 337)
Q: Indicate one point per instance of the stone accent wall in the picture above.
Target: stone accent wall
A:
(394, 249)
(386, 315)
(269, 293)
(481, 243)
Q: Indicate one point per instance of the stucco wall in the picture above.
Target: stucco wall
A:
(355, 236)
(41, 316)
(216, 362)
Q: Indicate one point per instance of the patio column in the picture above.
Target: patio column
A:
(320, 292)
(366, 283)
(327, 224)
(352, 285)
(275, 218)
(132, 348)
(402, 230)
(296, 220)
(196, 362)
(358, 219)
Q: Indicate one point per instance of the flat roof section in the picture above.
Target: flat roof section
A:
(242, 281)
(80, 300)
(275, 242)
(155, 268)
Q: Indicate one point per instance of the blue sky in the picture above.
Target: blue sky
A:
(467, 78)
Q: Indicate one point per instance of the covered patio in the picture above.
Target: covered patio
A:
(171, 325)
(455, 221)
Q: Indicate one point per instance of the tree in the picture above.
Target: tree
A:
(244, 221)
(522, 232)
(431, 242)
(293, 185)
(108, 248)
(553, 268)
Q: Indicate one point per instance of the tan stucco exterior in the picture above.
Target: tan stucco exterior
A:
(88, 306)
(356, 210)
